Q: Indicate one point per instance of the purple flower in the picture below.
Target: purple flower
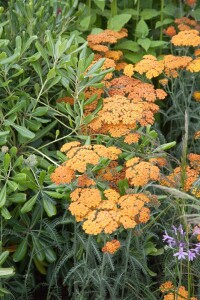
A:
(180, 229)
(197, 249)
(191, 255)
(196, 230)
(170, 240)
(181, 254)
(175, 229)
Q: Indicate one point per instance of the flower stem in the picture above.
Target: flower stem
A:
(126, 261)
(114, 8)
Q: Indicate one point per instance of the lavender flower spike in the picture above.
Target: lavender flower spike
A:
(191, 255)
(181, 254)
(170, 240)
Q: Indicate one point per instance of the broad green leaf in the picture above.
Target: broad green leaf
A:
(170, 9)
(23, 82)
(144, 43)
(100, 4)
(17, 198)
(4, 256)
(4, 43)
(117, 22)
(3, 196)
(44, 131)
(196, 14)
(6, 272)
(11, 59)
(12, 185)
(51, 74)
(29, 204)
(148, 14)
(3, 133)
(17, 107)
(48, 205)
(134, 57)
(164, 147)
(155, 44)
(38, 248)
(53, 194)
(21, 251)
(142, 29)
(165, 22)
(40, 111)
(5, 213)
(6, 162)
(33, 58)
(4, 291)
(20, 177)
(85, 22)
(128, 45)
(24, 131)
(26, 46)
(42, 51)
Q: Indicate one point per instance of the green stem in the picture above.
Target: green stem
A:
(102, 274)
(114, 8)
(161, 19)
(137, 16)
(89, 4)
(126, 261)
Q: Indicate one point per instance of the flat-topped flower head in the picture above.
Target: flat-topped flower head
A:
(139, 173)
(194, 161)
(166, 286)
(149, 66)
(63, 175)
(129, 70)
(111, 247)
(174, 179)
(194, 65)
(170, 31)
(100, 41)
(106, 214)
(186, 38)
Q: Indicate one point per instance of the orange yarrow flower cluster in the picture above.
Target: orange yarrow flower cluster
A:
(62, 175)
(174, 293)
(100, 41)
(150, 66)
(197, 135)
(132, 138)
(111, 247)
(170, 31)
(186, 38)
(108, 214)
(191, 3)
(139, 173)
(79, 156)
(196, 96)
(194, 65)
(166, 286)
(175, 178)
(194, 161)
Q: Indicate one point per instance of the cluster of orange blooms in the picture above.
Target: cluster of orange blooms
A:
(100, 42)
(182, 24)
(169, 65)
(184, 178)
(78, 157)
(111, 247)
(139, 172)
(107, 212)
(174, 293)
(130, 101)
